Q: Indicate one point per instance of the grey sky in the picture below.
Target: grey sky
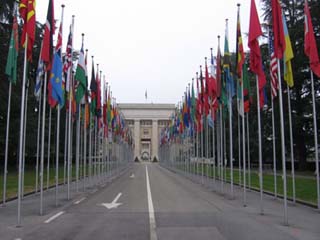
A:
(147, 44)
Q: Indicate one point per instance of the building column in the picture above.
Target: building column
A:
(155, 139)
(137, 138)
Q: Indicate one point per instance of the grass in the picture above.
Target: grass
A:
(306, 187)
(30, 180)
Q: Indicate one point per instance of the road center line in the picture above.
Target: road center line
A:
(79, 201)
(54, 217)
(152, 219)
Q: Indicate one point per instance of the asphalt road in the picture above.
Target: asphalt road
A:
(150, 202)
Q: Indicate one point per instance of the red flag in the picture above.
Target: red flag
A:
(47, 49)
(310, 46)
(278, 32)
(253, 43)
(28, 14)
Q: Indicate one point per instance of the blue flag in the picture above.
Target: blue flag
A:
(56, 79)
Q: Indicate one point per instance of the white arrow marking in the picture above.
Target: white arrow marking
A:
(114, 203)
(132, 175)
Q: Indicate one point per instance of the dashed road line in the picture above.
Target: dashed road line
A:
(54, 217)
(79, 201)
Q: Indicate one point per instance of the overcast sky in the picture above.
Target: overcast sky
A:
(150, 45)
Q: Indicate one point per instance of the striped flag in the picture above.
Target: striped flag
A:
(68, 62)
(273, 68)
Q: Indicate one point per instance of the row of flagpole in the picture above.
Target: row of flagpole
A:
(108, 134)
(180, 130)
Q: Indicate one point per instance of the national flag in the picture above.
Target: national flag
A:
(240, 58)
(287, 56)
(47, 48)
(253, 43)
(80, 77)
(246, 89)
(218, 71)
(310, 45)
(27, 11)
(193, 104)
(11, 66)
(39, 79)
(98, 96)
(227, 65)
(273, 68)
(68, 62)
(279, 38)
(56, 73)
(93, 90)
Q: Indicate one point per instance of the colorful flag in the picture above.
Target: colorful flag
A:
(239, 48)
(218, 71)
(279, 39)
(227, 65)
(310, 45)
(287, 56)
(273, 68)
(253, 43)
(246, 89)
(47, 48)
(98, 96)
(93, 90)
(27, 11)
(56, 73)
(80, 77)
(11, 67)
(68, 62)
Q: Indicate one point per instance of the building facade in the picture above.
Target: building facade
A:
(146, 122)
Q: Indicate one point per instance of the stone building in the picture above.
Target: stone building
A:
(146, 122)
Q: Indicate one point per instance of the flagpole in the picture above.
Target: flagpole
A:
(243, 146)
(24, 134)
(291, 148)
(78, 148)
(58, 128)
(221, 148)
(65, 148)
(248, 148)
(21, 130)
(260, 148)
(42, 140)
(84, 150)
(239, 149)
(69, 119)
(6, 148)
(38, 139)
(315, 130)
(213, 154)
(283, 150)
(49, 145)
(231, 142)
(274, 149)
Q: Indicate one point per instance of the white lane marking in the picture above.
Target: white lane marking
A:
(152, 219)
(79, 201)
(114, 203)
(54, 217)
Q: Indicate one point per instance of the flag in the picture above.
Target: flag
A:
(239, 49)
(27, 11)
(218, 71)
(273, 68)
(98, 96)
(56, 73)
(246, 89)
(47, 48)
(68, 62)
(146, 94)
(310, 45)
(93, 90)
(39, 79)
(80, 77)
(287, 56)
(227, 65)
(279, 38)
(253, 43)
(193, 104)
(11, 67)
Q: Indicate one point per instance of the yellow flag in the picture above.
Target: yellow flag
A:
(287, 56)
